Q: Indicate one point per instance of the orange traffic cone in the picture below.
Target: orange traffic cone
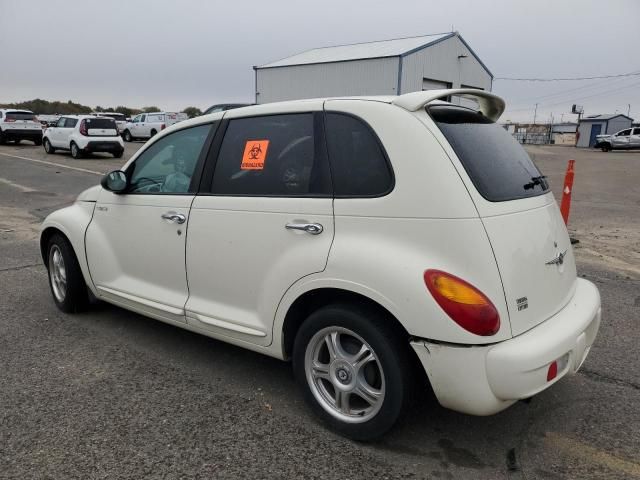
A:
(566, 193)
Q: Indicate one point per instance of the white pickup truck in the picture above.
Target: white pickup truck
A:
(146, 125)
(622, 140)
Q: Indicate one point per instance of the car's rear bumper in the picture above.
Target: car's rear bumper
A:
(483, 380)
(103, 146)
(22, 134)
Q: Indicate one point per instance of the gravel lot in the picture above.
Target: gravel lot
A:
(111, 394)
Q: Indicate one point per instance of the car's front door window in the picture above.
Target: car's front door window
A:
(168, 165)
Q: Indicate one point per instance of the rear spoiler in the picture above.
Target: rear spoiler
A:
(490, 105)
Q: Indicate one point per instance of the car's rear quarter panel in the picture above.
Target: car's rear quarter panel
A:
(428, 221)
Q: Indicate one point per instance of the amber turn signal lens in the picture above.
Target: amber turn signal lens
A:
(464, 303)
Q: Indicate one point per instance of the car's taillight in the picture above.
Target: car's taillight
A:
(10, 120)
(464, 303)
(163, 126)
(83, 128)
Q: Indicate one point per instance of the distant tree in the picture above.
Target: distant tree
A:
(192, 112)
(39, 106)
(151, 109)
(127, 111)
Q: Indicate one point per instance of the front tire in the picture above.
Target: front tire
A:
(76, 153)
(606, 147)
(38, 142)
(67, 284)
(118, 154)
(48, 147)
(354, 369)
(127, 136)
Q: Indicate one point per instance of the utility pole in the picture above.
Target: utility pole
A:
(535, 114)
(628, 109)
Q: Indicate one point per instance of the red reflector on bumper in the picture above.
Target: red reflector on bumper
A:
(553, 371)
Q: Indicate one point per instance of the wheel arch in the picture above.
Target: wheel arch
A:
(315, 298)
(72, 223)
(45, 236)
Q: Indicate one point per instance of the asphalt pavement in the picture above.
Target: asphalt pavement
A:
(112, 394)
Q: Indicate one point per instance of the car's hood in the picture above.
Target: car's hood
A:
(90, 194)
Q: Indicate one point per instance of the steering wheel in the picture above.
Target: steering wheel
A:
(148, 188)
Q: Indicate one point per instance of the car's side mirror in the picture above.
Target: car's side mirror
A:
(115, 181)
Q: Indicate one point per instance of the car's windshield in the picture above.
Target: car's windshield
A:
(116, 116)
(20, 116)
(497, 164)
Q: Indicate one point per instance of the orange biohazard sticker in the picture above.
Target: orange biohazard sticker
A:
(255, 152)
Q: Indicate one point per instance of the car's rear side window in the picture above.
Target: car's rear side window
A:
(359, 166)
(71, 122)
(498, 166)
(273, 155)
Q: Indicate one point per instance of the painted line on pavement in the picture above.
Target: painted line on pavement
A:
(591, 455)
(53, 164)
(22, 188)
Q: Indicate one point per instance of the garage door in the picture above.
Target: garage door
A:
(428, 84)
(466, 102)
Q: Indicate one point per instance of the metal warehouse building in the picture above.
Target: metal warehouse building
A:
(594, 125)
(388, 67)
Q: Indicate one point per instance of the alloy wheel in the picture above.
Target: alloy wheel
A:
(344, 375)
(57, 273)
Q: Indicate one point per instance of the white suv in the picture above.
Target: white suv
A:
(16, 125)
(358, 237)
(146, 125)
(83, 134)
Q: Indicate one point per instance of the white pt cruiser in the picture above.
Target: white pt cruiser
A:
(359, 237)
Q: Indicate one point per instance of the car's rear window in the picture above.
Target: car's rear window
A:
(496, 163)
(103, 123)
(115, 116)
(20, 116)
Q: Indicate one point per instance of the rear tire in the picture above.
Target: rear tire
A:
(66, 281)
(153, 133)
(333, 382)
(127, 136)
(118, 154)
(48, 147)
(38, 142)
(76, 153)
(3, 139)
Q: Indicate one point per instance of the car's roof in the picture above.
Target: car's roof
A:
(489, 104)
(83, 116)
(15, 110)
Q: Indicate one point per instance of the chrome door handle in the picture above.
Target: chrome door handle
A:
(174, 217)
(312, 228)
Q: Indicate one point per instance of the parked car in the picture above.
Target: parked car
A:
(120, 118)
(223, 107)
(82, 134)
(146, 125)
(17, 125)
(365, 239)
(623, 140)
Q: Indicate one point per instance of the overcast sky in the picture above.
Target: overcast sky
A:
(174, 54)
